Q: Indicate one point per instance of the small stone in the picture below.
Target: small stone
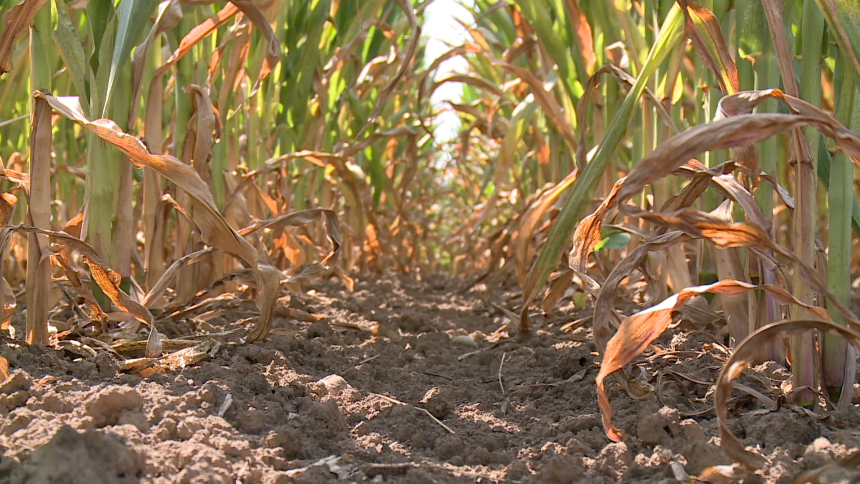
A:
(613, 459)
(691, 430)
(334, 384)
(661, 427)
(466, 340)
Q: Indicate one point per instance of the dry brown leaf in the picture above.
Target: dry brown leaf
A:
(557, 288)
(7, 304)
(197, 33)
(743, 234)
(7, 207)
(724, 66)
(4, 369)
(582, 30)
(587, 233)
(304, 217)
(737, 131)
(215, 231)
(83, 289)
(529, 221)
(744, 355)
(15, 22)
(20, 179)
(728, 265)
(639, 330)
(107, 279)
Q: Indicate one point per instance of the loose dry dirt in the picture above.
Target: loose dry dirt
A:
(434, 394)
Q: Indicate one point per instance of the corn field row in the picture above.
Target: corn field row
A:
(652, 151)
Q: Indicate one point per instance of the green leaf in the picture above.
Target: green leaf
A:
(582, 188)
(539, 14)
(66, 39)
(99, 14)
(133, 16)
(843, 18)
(616, 240)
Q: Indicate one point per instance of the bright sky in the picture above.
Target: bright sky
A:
(441, 28)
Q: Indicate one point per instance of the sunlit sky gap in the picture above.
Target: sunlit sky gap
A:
(442, 31)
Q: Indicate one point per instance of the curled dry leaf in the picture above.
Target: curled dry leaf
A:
(737, 131)
(744, 355)
(587, 233)
(7, 304)
(15, 22)
(107, 279)
(744, 234)
(7, 207)
(704, 30)
(529, 222)
(639, 330)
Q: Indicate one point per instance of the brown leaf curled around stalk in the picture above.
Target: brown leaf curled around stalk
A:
(7, 207)
(639, 330)
(7, 304)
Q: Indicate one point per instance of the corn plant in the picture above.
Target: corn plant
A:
(646, 87)
(176, 152)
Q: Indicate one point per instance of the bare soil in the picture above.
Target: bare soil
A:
(402, 381)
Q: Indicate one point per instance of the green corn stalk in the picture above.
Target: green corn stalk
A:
(564, 225)
(840, 197)
(804, 371)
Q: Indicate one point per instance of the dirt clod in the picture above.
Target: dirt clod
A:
(572, 362)
(438, 402)
(17, 381)
(561, 469)
(71, 457)
(106, 405)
